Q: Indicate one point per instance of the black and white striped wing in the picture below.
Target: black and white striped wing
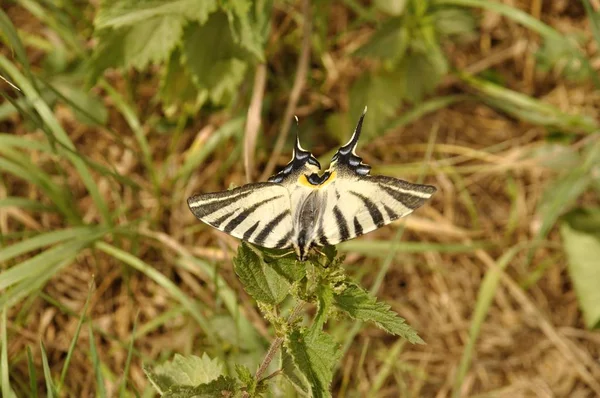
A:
(356, 202)
(356, 206)
(257, 213)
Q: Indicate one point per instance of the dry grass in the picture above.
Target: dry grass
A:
(533, 342)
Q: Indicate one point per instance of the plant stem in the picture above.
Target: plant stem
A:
(276, 344)
(269, 357)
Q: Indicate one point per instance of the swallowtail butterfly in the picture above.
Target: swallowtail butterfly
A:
(301, 208)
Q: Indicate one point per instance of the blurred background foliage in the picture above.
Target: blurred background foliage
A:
(115, 111)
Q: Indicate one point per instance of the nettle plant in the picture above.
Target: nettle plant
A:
(302, 351)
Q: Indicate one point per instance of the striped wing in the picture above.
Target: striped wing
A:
(356, 203)
(356, 206)
(257, 213)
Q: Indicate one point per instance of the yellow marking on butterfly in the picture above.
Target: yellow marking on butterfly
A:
(303, 180)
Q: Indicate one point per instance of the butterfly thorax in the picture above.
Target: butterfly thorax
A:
(306, 220)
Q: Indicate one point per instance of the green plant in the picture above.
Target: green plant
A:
(282, 287)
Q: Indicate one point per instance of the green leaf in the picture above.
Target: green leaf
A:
(314, 353)
(564, 191)
(584, 219)
(388, 42)
(148, 42)
(224, 386)
(288, 266)
(361, 305)
(420, 73)
(262, 282)
(382, 93)
(120, 13)
(215, 62)
(455, 23)
(177, 90)
(184, 370)
(583, 252)
(244, 374)
(89, 108)
(324, 302)
(291, 372)
(249, 23)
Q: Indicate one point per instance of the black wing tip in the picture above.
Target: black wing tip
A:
(430, 189)
(351, 145)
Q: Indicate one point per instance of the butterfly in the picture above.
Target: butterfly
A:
(299, 208)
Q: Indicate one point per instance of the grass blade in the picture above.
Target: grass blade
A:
(100, 388)
(59, 134)
(123, 386)
(25, 204)
(528, 108)
(487, 291)
(41, 240)
(375, 248)
(135, 126)
(195, 156)
(75, 338)
(12, 39)
(33, 393)
(50, 389)
(6, 391)
(164, 282)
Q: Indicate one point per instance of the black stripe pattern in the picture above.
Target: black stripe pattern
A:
(371, 208)
(341, 223)
(231, 225)
(267, 229)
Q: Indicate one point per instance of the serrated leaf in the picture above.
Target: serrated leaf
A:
(260, 281)
(248, 23)
(216, 63)
(184, 371)
(120, 13)
(291, 372)
(361, 305)
(314, 353)
(147, 42)
(583, 252)
(244, 374)
(288, 266)
(223, 386)
(324, 302)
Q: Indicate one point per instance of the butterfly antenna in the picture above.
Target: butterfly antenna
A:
(351, 145)
(299, 152)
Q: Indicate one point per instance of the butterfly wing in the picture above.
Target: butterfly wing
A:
(258, 213)
(357, 203)
(356, 206)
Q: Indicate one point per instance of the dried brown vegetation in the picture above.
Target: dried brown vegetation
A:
(490, 172)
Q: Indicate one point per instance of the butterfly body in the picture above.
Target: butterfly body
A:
(302, 209)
